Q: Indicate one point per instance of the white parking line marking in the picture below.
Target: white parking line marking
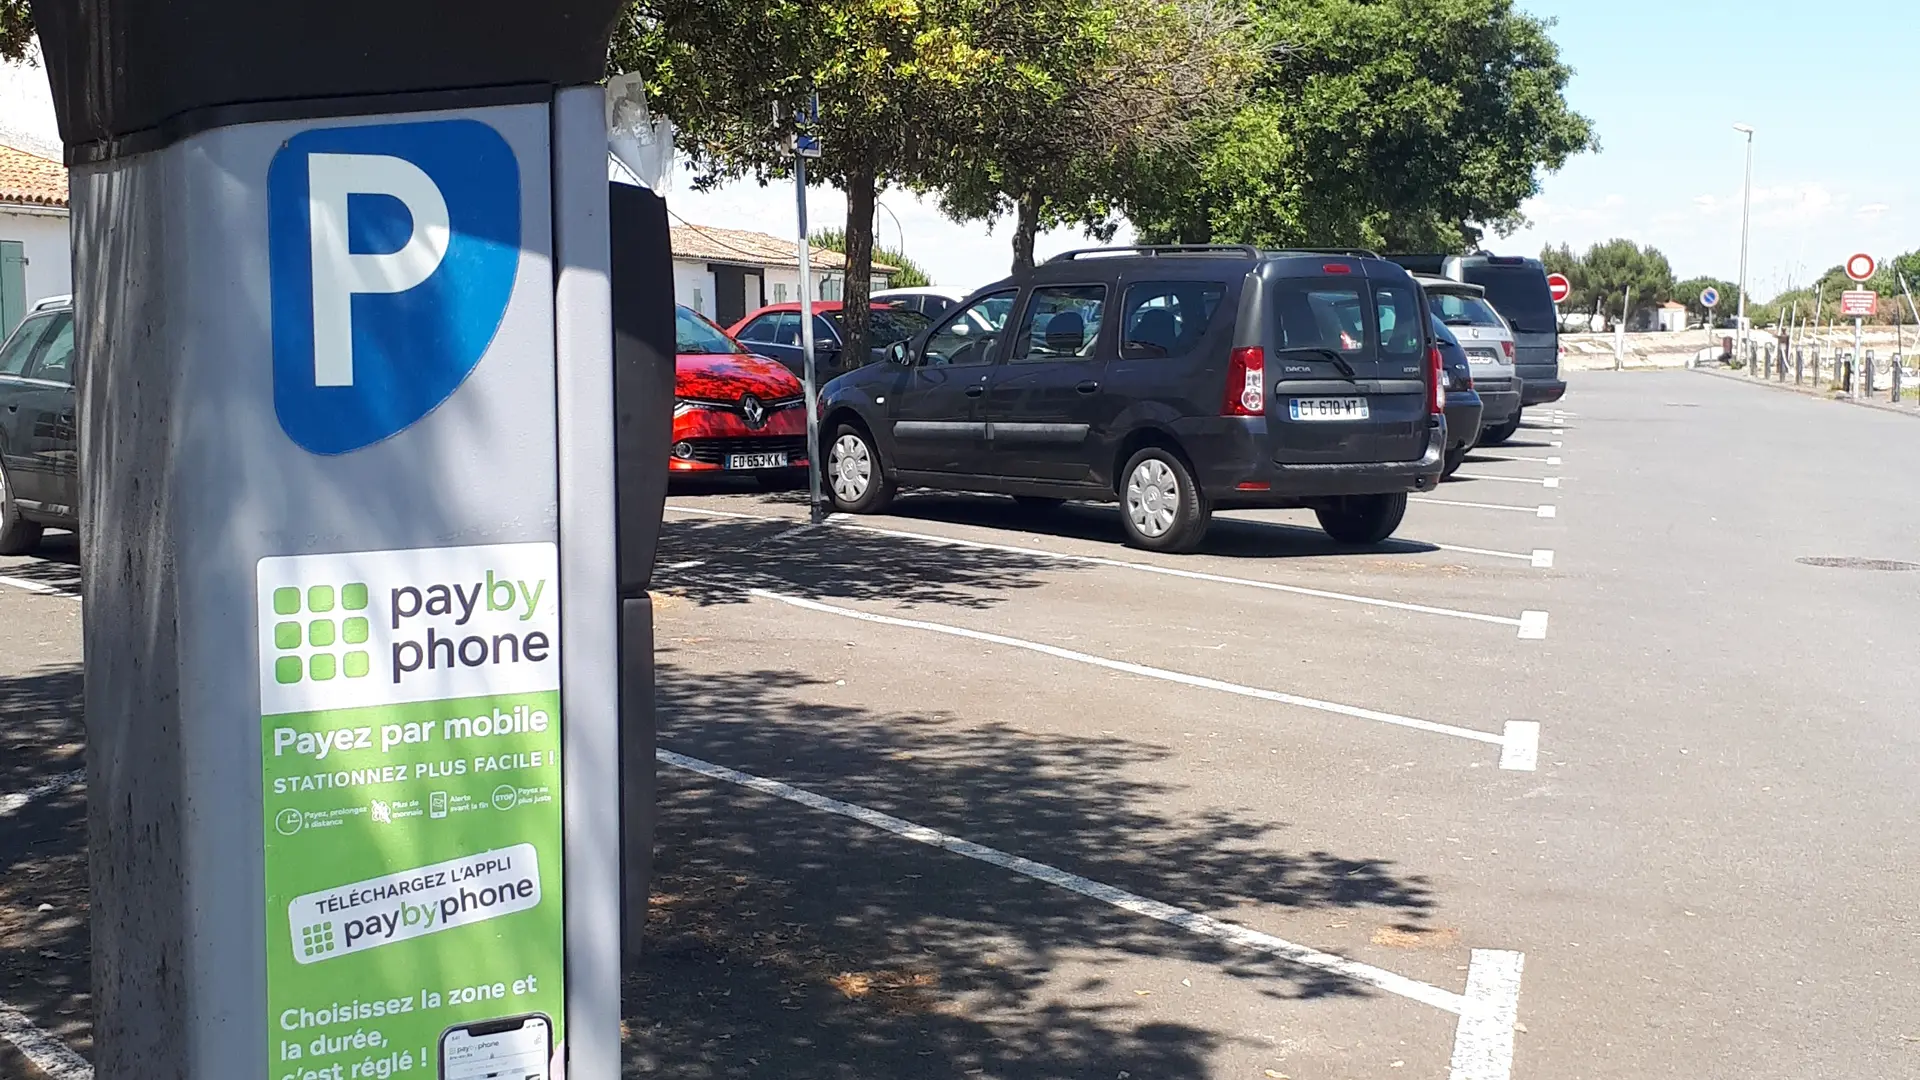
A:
(1483, 1041)
(40, 587)
(1548, 510)
(688, 565)
(1533, 557)
(1543, 558)
(1169, 571)
(1520, 750)
(57, 1059)
(1480, 455)
(1551, 481)
(12, 804)
(1130, 668)
(1483, 506)
(1533, 625)
(1191, 921)
(706, 512)
(1559, 431)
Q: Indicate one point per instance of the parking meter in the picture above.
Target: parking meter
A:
(353, 523)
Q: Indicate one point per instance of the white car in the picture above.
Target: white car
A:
(934, 301)
(1488, 341)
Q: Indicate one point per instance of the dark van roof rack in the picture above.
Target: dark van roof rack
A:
(1349, 252)
(1157, 249)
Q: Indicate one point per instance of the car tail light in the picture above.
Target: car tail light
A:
(1337, 268)
(1246, 382)
(1507, 347)
(1436, 371)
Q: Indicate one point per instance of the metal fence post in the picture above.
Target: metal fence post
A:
(1896, 378)
(1867, 386)
(1799, 364)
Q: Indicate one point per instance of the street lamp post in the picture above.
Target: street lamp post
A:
(1746, 220)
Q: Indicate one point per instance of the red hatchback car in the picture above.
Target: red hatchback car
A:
(734, 413)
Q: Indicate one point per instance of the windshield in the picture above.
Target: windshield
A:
(1520, 293)
(1460, 309)
(695, 336)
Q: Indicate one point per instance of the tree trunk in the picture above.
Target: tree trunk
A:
(1026, 231)
(855, 314)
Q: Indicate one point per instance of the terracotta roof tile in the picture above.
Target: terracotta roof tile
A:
(704, 243)
(29, 178)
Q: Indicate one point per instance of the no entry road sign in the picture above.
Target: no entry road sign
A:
(1860, 267)
(1559, 287)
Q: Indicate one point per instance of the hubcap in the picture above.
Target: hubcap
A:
(1153, 497)
(850, 468)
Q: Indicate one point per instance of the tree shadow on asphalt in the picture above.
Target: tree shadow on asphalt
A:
(788, 939)
(851, 564)
(55, 563)
(834, 564)
(44, 950)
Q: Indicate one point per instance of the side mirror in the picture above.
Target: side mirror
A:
(899, 353)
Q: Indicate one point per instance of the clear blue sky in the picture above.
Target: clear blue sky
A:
(1829, 88)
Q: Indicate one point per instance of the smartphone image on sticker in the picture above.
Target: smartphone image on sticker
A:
(514, 1048)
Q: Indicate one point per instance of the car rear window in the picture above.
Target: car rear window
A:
(1518, 292)
(1403, 335)
(1462, 309)
(1321, 315)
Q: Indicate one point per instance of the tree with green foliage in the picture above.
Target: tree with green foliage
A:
(907, 273)
(1688, 293)
(1395, 124)
(16, 29)
(1120, 81)
(1616, 266)
(729, 73)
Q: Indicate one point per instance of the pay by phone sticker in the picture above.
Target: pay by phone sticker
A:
(413, 903)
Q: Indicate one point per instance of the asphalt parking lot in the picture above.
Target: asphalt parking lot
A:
(1582, 775)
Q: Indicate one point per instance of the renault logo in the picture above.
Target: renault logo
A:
(752, 408)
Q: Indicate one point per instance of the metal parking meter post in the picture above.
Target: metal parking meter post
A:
(348, 519)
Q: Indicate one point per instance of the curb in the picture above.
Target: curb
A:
(1818, 395)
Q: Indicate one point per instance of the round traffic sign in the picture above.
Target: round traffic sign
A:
(1860, 267)
(1709, 297)
(1559, 287)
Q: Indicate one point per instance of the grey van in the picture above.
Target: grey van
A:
(1174, 380)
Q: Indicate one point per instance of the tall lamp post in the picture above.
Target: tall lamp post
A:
(1746, 219)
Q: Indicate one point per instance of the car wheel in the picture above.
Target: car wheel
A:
(1454, 457)
(854, 478)
(1494, 436)
(1160, 505)
(1363, 519)
(18, 536)
(1038, 502)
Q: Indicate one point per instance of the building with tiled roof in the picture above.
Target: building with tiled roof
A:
(35, 249)
(726, 273)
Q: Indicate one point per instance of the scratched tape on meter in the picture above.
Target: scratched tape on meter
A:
(348, 919)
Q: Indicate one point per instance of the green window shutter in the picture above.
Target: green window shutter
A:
(13, 285)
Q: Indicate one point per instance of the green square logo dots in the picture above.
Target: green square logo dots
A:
(295, 638)
(316, 940)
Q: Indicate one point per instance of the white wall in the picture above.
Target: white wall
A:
(693, 286)
(49, 252)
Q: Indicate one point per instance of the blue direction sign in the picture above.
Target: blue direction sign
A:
(1709, 297)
